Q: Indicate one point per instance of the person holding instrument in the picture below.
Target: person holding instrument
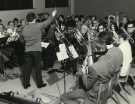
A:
(100, 72)
(32, 55)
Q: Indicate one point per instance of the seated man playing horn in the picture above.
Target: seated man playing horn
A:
(100, 72)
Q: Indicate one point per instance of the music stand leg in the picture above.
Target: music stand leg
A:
(64, 82)
(64, 73)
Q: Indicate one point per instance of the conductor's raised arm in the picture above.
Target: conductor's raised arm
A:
(49, 20)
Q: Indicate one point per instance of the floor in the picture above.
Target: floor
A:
(54, 89)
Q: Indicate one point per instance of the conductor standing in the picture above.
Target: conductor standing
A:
(32, 57)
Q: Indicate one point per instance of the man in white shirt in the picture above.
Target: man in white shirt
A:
(125, 47)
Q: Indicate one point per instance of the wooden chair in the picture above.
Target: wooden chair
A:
(109, 93)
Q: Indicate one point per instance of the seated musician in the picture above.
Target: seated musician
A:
(49, 53)
(101, 27)
(73, 37)
(99, 47)
(131, 31)
(114, 30)
(12, 31)
(3, 57)
(100, 72)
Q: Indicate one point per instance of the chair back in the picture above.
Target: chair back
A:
(106, 89)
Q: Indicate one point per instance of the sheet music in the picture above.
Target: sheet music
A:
(44, 44)
(73, 51)
(62, 48)
(62, 55)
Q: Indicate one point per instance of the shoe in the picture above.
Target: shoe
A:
(42, 85)
(26, 86)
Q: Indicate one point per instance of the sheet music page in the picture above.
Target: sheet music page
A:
(73, 51)
(62, 55)
(44, 44)
(62, 48)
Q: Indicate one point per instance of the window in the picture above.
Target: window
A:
(56, 3)
(16, 4)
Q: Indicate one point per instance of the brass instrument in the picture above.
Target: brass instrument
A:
(115, 35)
(92, 34)
(109, 22)
(71, 51)
(116, 18)
(87, 62)
(128, 35)
(78, 36)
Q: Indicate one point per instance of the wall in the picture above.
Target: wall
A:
(104, 7)
(39, 6)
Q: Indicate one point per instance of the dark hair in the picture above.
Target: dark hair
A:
(115, 26)
(131, 22)
(15, 19)
(9, 22)
(70, 23)
(77, 16)
(122, 34)
(62, 16)
(102, 24)
(2, 25)
(0, 20)
(30, 16)
(106, 36)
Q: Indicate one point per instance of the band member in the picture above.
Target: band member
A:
(32, 56)
(3, 51)
(99, 47)
(100, 72)
(131, 31)
(127, 54)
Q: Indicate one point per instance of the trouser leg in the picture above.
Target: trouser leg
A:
(1, 65)
(37, 68)
(27, 69)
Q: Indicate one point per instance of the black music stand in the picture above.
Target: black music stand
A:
(64, 73)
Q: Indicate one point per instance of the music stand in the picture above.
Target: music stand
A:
(64, 73)
(62, 57)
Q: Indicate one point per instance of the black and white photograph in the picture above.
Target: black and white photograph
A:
(67, 51)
